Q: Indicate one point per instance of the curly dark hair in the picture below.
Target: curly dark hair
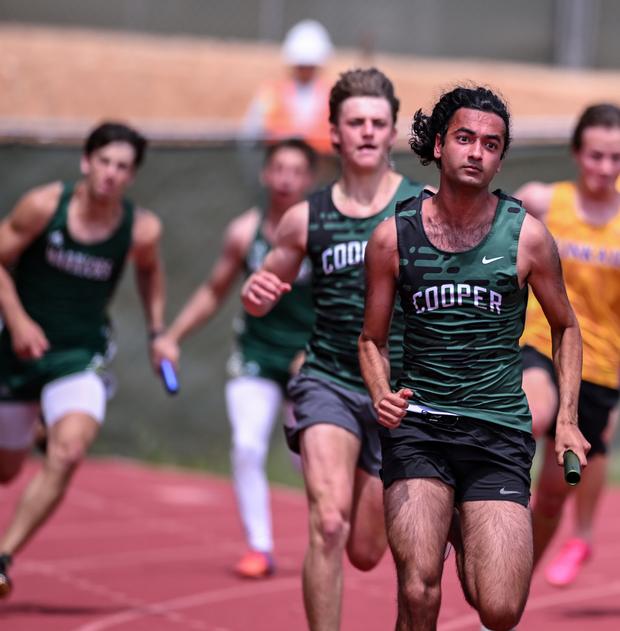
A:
(597, 115)
(424, 129)
(361, 82)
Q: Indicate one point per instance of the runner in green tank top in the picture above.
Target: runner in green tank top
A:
(335, 426)
(457, 431)
(68, 245)
(267, 349)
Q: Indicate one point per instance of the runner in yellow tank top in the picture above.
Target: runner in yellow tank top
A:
(584, 218)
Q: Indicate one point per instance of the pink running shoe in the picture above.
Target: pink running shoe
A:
(564, 568)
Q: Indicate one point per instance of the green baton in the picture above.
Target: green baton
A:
(572, 468)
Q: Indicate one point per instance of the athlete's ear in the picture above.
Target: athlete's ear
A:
(84, 164)
(334, 136)
(437, 148)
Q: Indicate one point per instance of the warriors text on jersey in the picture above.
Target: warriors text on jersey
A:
(336, 246)
(464, 315)
(591, 266)
(65, 287)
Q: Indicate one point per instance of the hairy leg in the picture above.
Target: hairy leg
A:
(548, 503)
(329, 456)
(418, 514)
(68, 442)
(495, 566)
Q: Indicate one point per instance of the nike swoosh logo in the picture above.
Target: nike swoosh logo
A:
(503, 491)
(486, 261)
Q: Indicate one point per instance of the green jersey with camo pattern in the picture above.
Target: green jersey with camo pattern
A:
(464, 315)
(269, 344)
(65, 287)
(336, 246)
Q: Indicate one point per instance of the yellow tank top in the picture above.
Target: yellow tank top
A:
(591, 264)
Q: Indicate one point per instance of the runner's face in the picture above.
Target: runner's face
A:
(365, 132)
(287, 176)
(598, 159)
(109, 170)
(472, 149)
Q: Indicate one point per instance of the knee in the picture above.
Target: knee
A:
(366, 555)
(330, 531)
(420, 591)
(500, 617)
(65, 455)
(247, 453)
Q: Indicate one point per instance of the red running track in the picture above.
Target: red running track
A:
(138, 548)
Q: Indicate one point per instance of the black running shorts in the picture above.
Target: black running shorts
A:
(595, 402)
(480, 460)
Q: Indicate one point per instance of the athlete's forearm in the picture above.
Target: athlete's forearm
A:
(152, 290)
(198, 310)
(567, 359)
(10, 305)
(375, 367)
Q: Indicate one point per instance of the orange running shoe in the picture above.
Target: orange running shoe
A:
(564, 568)
(255, 564)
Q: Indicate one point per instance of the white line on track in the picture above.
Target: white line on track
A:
(195, 600)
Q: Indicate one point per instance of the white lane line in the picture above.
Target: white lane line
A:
(235, 592)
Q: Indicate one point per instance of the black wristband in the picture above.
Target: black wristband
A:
(153, 334)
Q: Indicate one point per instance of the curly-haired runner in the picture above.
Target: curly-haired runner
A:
(457, 431)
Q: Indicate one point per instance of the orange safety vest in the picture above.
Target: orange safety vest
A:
(281, 121)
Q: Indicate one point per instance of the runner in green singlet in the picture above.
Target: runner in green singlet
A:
(456, 430)
(68, 244)
(266, 348)
(335, 426)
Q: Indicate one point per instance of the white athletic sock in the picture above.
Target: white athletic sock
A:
(253, 405)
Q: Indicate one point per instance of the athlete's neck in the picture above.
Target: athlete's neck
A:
(597, 208)
(364, 194)
(91, 219)
(462, 207)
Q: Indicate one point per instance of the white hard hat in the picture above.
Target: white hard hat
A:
(307, 44)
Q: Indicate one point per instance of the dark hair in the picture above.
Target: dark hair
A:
(361, 82)
(293, 143)
(424, 129)
(109, 132)
(597, 115)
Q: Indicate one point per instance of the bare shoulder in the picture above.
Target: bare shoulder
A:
(241, 230)
(293, 227)
(147, 228)
(537, 249)
(536, 197)
(384, 235)
(35, 208)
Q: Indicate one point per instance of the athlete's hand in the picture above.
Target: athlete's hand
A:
(164, 347)
(28, 339)
(392, 407)
(568, 436)
(261, 291)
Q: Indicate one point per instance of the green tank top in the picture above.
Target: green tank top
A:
(285, 330)
(464, 315)
(336, 246)
(65, 285)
